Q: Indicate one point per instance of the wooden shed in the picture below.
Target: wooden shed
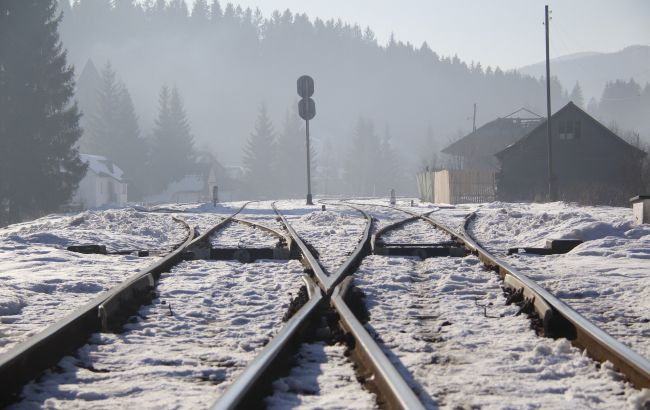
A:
(591, 164)
(476, 150)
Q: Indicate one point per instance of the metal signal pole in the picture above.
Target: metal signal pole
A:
(307, 111)
(309, 200)
(551, 188)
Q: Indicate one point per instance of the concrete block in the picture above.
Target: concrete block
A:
(641, 209)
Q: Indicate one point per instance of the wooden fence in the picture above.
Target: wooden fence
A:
(455, 187)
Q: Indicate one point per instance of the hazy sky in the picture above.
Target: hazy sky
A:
(508, 33)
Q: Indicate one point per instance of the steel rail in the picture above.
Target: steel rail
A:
(555, 313)
(313, 263)
(598, 343)
(386, 379)
(30, 358)
(245, 391)
(393, 226)
(362, 250)
(325, 281)
(280, 235)
(125, 297)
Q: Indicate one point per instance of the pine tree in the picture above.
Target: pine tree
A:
(576, 95)
(200, 12)
(363, 160)
(215, 11)
(100, 138)
(185, 154)
(88, 86)
(131, 148)
(40, 167)
(260, 157)
(291, 156)
(114, 131)
(172, 153)
(387, 171)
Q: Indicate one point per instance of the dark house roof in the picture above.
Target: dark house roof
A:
(576, 110)
(493, 136)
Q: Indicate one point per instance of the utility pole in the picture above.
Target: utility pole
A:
(474, 120)
(551, 188)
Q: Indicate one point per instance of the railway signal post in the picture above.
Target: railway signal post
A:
(307, 111)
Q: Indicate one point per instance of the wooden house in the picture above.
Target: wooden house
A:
(476, 151)
(591, 164)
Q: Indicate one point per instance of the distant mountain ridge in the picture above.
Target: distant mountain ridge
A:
(593, 70)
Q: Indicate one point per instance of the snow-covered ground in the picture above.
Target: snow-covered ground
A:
(606, 279)
(322, 379)
(208, 322)
(415, 232)
(439, 317)
(333, 233)
(444, 323)
(40, 281)
(117, 229)
(238, 235)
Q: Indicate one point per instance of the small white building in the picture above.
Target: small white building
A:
(103, 185)
(190, 189)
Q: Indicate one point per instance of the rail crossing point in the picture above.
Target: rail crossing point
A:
(307, 111)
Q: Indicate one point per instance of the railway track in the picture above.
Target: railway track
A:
(328, 319)
(327, 297)
(399, 387)
(558, 319)
(107, 311)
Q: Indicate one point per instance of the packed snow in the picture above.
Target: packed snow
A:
(605, 279)
(117, 229)
(322, 378)
(42, 281)
(444, 324)
(238, 235)
(209, 320)
(333, 233)
(443, 320)
(415, 232)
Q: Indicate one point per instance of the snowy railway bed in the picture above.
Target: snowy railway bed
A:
(206, 322)
(256, 384)
(104, 309)
(377, 322)
(42, 281)
(605, 278)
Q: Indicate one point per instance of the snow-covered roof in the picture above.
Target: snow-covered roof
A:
(102, 166)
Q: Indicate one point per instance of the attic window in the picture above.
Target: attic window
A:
(569, 129)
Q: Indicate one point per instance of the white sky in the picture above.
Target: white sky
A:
(508, 33)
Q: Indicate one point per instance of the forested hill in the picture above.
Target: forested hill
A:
(594, 70)
(226, 60)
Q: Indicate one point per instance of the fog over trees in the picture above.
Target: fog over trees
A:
(165, 91)
(40, 166)
(227, 60)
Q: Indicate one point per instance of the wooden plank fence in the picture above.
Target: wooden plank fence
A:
(456, 187)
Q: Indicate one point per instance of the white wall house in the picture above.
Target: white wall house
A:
(103, 184)
(190, 189)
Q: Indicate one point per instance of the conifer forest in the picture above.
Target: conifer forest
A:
(166, 89)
